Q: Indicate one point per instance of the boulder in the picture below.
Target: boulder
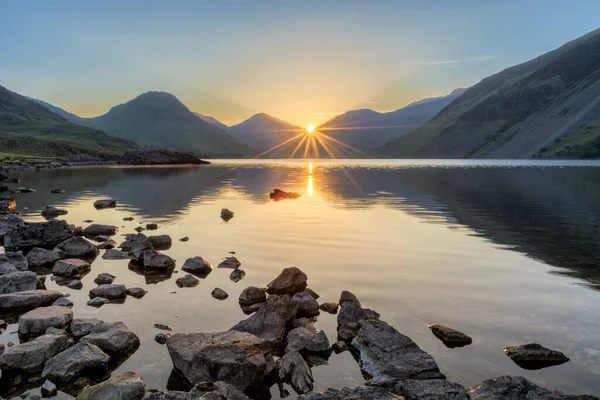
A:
(77, 247)
(72, 267)
(98, 302)
(237, 275)
(138, 240)
(517, 388)
(8, 223)
(307, 342)
(355, 393)
(52, 212)
(155, 260)
(230, 262)
(63, 302)
(104, 279)
(127, 386)
(35, 322)
(293, 369)
(137, 292)
(82, 326)
(237, 358)
(12, 262)
(7, 204)
(534, 356)
(346, 296)
(306, 304)
(429, 389)
(105, 203)
(41, 258)
(197, 266)
(226, 214)
(187, 281)
(48, 389)
(450, 337)
(31, 356)
(387, 356)
(219, 294)
(329, 307)
(107, 245)
(161, 242)
(27, 300)
(252, 295)
(39, 234)
(350, 315)
(111, 292)
(99, 229)
(75, 284)
(114, 254)
(113, 338)
(152, 226)
(75, 362)
(18, 282)
(290, 281)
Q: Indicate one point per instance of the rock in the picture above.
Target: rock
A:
(41, 258)
(349, 316)
(137, 292)
(314, 294)
(355, 393)
(99, 229)
(77, 247)
(330, 307)
(35, 322)
(7, 204)
(2, 347)
(197, 266)
(346, 296)
(18, 282)
(72, 267)
(429, 389)
(74, 362)
(306, 341)
(3, 325)
(293, 369)
(219, 294)
(226, 214)
(252, 295)
(113, 338)
(105, 203)
(82, 326)
(270, 321)
(163, 327)
(154, 260)
(237, 358)
(187, 281)
(12, 262)
(161, 338)
(98, 302)
(107, 245)
(113, 254)
(279, 195)
(104, 279)
(62, 302)
(308, 323)
(57, 191)
(75, 284)
(184, 239)
(450, 337)
(26, 190)
(161, 242)
(252, 308)
(230, 262)
(290, 280)
(39, 234)
(218, 391)
(139, 229)
(55, 331)
(339, 347)
(386, 355)
(306, 304)
(152, 227)
(127, 386)
(237, 275)
(110, 292)
(534, 356)
(517, 388)
(128, 219)
(51, 212)
(49, 389)
(8, 223)
(160, 157)
(31, 356)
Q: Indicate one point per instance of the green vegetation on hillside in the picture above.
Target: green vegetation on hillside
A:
(582, 143)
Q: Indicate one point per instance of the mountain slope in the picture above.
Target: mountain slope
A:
(212, 121)
(28, 128)
(263, 132)
(76, 119)
(366, 129)
(521, 112)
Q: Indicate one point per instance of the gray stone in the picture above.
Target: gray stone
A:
(105, 203)
(27, 300)
(153, 259)
(62, 302)
(290, 280)
(534, 356)
(52, 212)
(330, 307)
(346, 296)
(517, 388)
(107, 244)
(306, 304)
(237, 275)
(252, 295)
(350, 315)
(104, 279)
(450, 337)
(99, 229)
(135, 241)
(41, 258)
(8, 223)
(230, 262)
(98, 302)
(72, 363)
(77, 247)
(75, 284)
(71, 267)
(161, 242)
(187, 281)
(18, 282)
(55, 331)
(111, 292)
(101, 238)
(35, 322)
(113, 338)
(137, 292)
(226, 214)
(339, 347)
(355, 393)
(429, 389)
(12, 262)
(113, 254)
(293, 369)
(219, 294)
(49, 389)
(31, 356)
(252, 308)
(306, 341)
(82, 326)
(127, 386)
(197, 266)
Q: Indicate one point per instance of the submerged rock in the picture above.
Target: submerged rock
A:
(355, 393)
(39, 234)
(74, 362)
(534, 356)
(18, 281)
(128, 386)
(290, 281)
(31, 356)
(219, 294)
(197, 266)
(450, 337)
(99, 229)
(35, 322)
(187, 281)
(230, 262)
(41, 258)
(226, 214)
(27, 300)
(72, 267)
(293, 369)
(104, 279)
(517, 388)
(105, 203)
(110, 292)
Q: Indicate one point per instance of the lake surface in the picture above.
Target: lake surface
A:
(507, 252)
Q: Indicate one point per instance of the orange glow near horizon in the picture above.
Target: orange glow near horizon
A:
(310, 128)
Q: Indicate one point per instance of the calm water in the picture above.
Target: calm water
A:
(508, 253)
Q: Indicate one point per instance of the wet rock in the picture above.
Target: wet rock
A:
(163, 327)
(187, 281)
(517, 388)
(107, 245)
(99, 229)
(233, 357)
(113, 254)
(62, 302)
(330, 307)
(306, 341)
(41, 258)
(31, 356)
(101, 238)
(339, 347)
(450, 337)
(197, 266)
(74, 362)
(314, 294)
(75, 284)
(104, 279)
(39, 234)
(534, 356)
(52, 212)
(98, 302)
(184, 239)
(355, 393)
(226, 214)
(8, 223)
(290, 281)
(293, 369)
(219, 294)
(155, 260)
(128, 386)
(237, 275)
(113, 338)
(161, 242)
(49, 389)
(252, 308)
(105, 203)
(387, 355)
(346, 296)
(77, 247)
(308, 323)
(18, 282)
(252, 295)
(7, 204)
(35, 322)
(350, 315)
(72, 267)
(306, 304)
(55, 331)
(137, 292)
(429, 389)
(12, 262)
(230, 262)
(161, 338)
(152, 227)
(139, 229)
(111, 292)
(82, 326)
(279, 195)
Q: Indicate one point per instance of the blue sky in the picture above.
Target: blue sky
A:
(302, 61)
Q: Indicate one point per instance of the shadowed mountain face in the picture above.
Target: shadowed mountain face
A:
(367, 129)
(524, 111)
(263, 132)
(212, 121)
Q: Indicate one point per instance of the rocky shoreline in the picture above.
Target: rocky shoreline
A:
(278, 344)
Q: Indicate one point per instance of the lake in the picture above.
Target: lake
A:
(507, 252)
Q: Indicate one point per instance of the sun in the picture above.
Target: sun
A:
(310, 128)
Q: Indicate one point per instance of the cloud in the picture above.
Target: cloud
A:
(465, 60)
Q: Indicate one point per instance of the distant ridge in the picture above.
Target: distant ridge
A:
(263, 132)
(212, 121)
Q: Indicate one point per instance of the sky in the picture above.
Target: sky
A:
(301, 61)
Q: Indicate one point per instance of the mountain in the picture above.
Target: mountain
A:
(30, 129)
(263, 132)
(57, 110)
(545, 107)
(366, 129)
(212, 121)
